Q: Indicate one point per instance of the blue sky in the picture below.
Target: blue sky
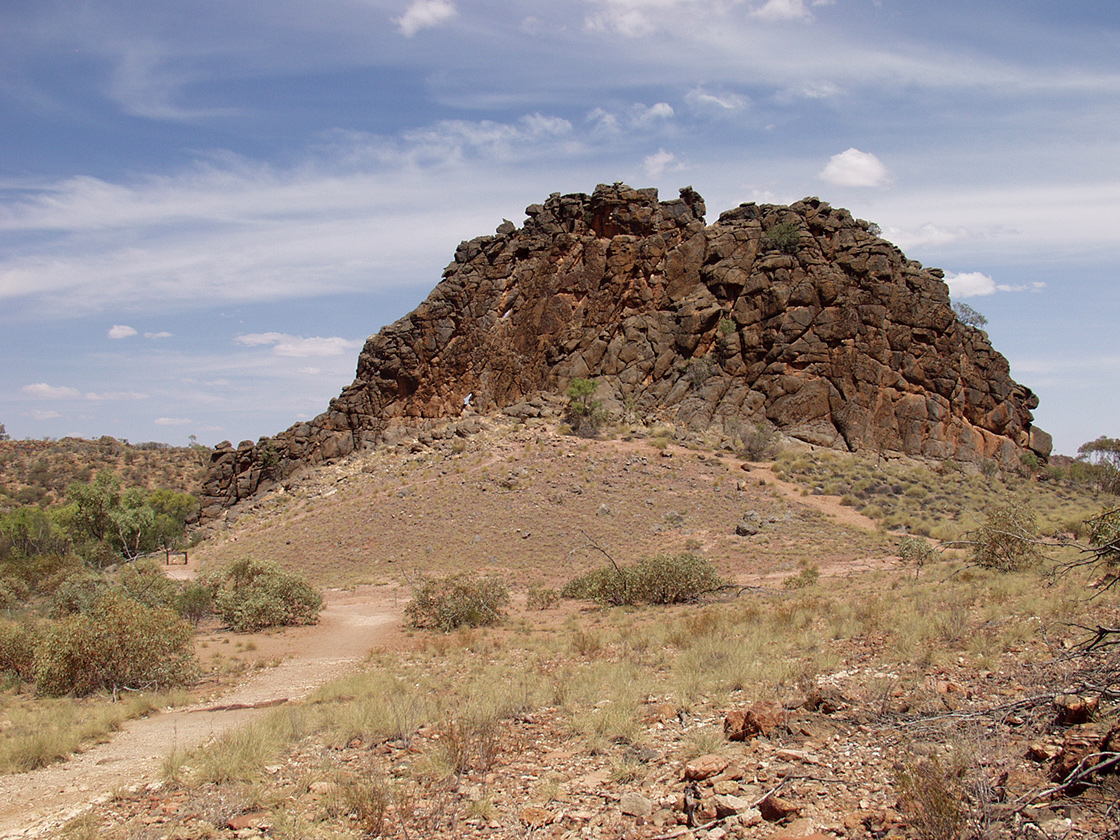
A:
(206, 207)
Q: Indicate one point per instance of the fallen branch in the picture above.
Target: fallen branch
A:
(1077, 776)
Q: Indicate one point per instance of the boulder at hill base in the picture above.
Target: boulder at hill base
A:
(798, 316)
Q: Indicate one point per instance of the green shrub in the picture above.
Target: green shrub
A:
(194, 601)
(252, 594)
(584, 414)
(915, 552)
(806, 577)
(541, 598)
(784, 237)
(758, 441)
(118, 643)
(1007, 540)
(77, 594)
(17, 650)
(145, 581)
(658, 580)
(458, 600)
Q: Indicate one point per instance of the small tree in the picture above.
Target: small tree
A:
(584, 413)
(1103, 455)
(969, 316)
(4, 433)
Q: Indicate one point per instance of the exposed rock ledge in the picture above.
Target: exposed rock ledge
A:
(799, 316)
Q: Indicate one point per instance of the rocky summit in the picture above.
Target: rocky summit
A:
(800, 316)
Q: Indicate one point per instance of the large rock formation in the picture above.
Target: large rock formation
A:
(800, 316)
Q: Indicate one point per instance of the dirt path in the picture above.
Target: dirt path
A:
(352, 623)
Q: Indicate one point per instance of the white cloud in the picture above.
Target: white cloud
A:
(296, 346)
(703, 100)
(814, 90)
(975, 284)
(969, 284)
(172, 421)
(854, 168)
(423, 14)
(774, 11)
(642, 116)
(42, 414)
(43, 391)
(161, 334)
(658, 162)
(121, 331)
(109, 396)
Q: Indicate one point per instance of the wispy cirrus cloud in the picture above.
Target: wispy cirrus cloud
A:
(43, 391)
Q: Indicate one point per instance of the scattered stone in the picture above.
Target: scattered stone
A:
(704, 767)
(775, 809)
(635, 804)
(759, 719)
(727, 805)
(1074, 709)
(533, 817)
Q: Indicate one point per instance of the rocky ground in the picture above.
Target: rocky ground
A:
(979, 753)
(936, 747)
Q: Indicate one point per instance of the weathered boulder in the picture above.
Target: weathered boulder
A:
(797, 316)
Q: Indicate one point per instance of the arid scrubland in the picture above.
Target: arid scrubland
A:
(884, 698)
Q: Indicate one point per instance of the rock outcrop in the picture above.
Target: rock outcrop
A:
(799, 316)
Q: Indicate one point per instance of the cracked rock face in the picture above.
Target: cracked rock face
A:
(798, 316)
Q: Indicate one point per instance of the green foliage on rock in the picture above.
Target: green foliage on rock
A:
(459, 600)
(658, 580)
(784, 237)
(254, 594)
(118, 643)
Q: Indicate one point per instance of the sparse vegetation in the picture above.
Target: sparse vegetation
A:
(459, 600)
(584, 414)
(1007, 540)
(969, 316)
(784, 237)
(657, 580)
(253, 594)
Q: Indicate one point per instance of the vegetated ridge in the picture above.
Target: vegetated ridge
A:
(798, 316)
(39, 471)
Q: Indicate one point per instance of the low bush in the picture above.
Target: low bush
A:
(17, 650)
(1007, 540)
(118, 643)
(252, 594)
(658, 580)
(458, 600)
(541, 598)
(758, 441)
(915, 552)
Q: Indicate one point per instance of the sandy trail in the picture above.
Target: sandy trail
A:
(351, 625)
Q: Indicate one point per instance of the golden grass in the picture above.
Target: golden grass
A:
(38, 731)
